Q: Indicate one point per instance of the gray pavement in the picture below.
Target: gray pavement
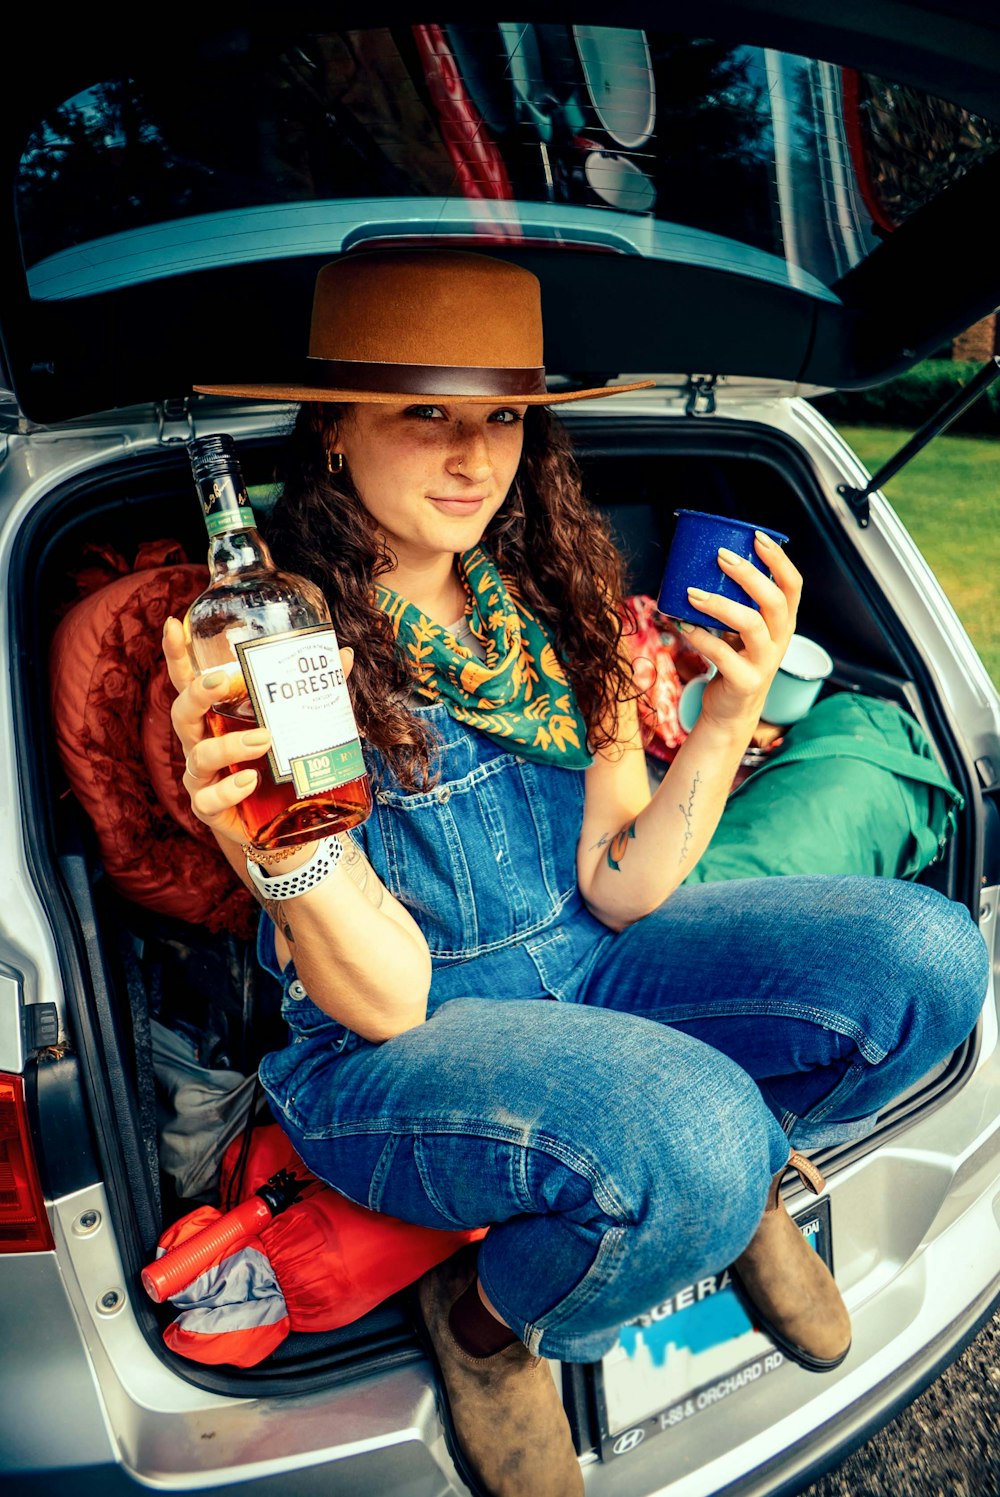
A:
(945, 1444)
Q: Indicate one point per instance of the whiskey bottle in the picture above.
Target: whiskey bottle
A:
(271, 633)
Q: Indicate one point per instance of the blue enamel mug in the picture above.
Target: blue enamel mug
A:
(693, 562)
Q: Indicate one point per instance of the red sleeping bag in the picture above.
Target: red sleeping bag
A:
(111, 699)
(322, 1263)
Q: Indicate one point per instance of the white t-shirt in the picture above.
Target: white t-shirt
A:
(462, 630)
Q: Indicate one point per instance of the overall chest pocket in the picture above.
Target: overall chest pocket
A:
(482, 859)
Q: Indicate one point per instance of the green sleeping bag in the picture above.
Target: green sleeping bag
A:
(852, 788)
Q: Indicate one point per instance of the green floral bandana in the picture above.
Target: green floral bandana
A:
(519, 694)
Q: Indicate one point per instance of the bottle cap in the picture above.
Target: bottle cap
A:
(212, 455)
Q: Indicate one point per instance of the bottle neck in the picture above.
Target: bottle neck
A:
(234, 543)
(233, 551)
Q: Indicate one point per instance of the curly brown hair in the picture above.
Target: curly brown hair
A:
(545, 534)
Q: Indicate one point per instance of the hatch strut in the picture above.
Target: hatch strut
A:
(959, 402)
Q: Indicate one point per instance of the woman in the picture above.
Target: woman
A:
(632, 1135)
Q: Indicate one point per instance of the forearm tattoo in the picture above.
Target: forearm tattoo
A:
(617, 845)
(276, 909)
(358, 868)
(688, 813)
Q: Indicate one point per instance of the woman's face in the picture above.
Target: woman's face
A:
(431, 476)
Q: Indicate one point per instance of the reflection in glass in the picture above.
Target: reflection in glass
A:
(613, 137)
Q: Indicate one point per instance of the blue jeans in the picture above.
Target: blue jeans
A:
(619, 1140)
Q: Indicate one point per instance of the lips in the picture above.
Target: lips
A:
(467, 505)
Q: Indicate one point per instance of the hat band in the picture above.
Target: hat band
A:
(425, 379)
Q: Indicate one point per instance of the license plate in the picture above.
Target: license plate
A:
(688, 1354)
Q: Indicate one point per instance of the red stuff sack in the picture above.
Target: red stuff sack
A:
(322, 1263)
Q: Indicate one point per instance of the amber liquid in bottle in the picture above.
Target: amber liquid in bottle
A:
(273, 814)
(270, 632)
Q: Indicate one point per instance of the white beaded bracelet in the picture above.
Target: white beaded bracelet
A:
(286, 885)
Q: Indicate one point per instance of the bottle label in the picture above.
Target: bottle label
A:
(299, 693)
(225, 506)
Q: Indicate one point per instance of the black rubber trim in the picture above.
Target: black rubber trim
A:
(64, 1139)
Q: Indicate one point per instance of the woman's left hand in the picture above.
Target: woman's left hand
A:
(747, 658)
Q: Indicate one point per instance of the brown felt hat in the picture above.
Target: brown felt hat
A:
(392, 325)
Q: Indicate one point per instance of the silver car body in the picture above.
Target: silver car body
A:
(916, 1219)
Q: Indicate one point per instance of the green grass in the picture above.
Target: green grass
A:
(948, 497)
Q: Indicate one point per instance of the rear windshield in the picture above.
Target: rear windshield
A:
(618, 140)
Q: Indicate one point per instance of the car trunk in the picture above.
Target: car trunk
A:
(638, 470)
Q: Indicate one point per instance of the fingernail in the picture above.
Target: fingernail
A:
(697, 592)
(684, 626)
(166, 624)
(210, 682)
(246, 777)
(256, 737)
(729, 556)
(765, 540)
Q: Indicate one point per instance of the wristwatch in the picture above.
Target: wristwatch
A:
(287, 885)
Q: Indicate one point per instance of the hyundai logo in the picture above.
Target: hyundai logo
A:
(628, 1441)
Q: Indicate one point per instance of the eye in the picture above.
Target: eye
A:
(425, 412)
(506, 417)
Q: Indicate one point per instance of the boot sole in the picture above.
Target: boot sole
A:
(788, 1348)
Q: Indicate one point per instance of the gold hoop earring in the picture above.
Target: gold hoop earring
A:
(333, 466)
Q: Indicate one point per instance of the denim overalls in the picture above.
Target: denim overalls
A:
(613, 1105)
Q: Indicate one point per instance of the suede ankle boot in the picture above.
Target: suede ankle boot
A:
(787, 1289)
(504, 1412)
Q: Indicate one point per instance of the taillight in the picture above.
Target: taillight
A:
(24, 1226)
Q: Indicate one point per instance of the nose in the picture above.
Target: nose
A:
(470, 457)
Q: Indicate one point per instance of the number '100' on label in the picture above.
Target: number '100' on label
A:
(297, 687)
